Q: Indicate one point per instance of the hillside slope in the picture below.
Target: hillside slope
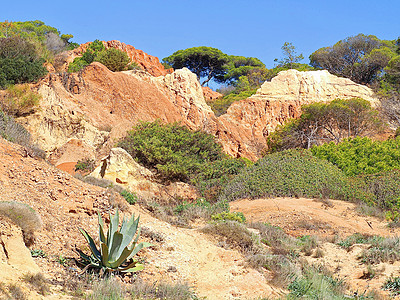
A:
(66, 204)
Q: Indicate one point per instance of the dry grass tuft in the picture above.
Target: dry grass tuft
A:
(23, 216)
(38, 282)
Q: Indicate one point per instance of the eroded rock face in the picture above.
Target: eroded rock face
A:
(244, 129)
(120, 168)
(210, 95)
(97, 107)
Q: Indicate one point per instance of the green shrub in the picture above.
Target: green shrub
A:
(229, 216)
(361, 155)
(211, 181)
(19, 62)
(221, 105)
(86, 165)
(114, 59)
(292, 173)
(78, 64)
(173, 150)
(392, 285)
(131, 198)
(385, 188)
(317, 284)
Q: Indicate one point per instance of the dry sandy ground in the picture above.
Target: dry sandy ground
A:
(299, 217)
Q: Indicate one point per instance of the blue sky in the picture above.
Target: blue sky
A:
(250, 28)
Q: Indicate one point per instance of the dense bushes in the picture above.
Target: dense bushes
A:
(361, 155)
(19, 62)
(173, 150)
(291, 173)
(113, 59)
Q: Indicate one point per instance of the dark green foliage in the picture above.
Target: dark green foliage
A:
(361, 155)
(238, 66)
(385, 188)
(215, 175)
(221, 105)
(114, 59)
(19, 62)
(291, 173)
(174, 151)
(87, 57)
(392, 285)
(360, 58)
(131, 198)
(203, 61)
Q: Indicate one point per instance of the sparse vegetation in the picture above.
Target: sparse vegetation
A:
(229, 216)
(38, 282)
(392, 285)
(23, 216)
(86, 165)
(131, 198)
(20, 100)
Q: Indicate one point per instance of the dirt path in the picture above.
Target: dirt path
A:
(214, 272)
(306, 216)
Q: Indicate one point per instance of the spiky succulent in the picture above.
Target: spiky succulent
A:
(117, 247)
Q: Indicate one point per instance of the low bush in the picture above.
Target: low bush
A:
(229, 216)
(392, 285)
(234, 234)
(86, 165)
(221, 105)
(317, 283)
(19, 62)
(114, 59)
(12, 131)
(131, 198)
(385, 188)
(292, 173)
(173, 150)
(361, 155)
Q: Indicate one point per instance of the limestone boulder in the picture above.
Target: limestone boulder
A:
(120, 168)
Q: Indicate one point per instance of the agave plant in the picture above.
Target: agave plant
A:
(117, 247)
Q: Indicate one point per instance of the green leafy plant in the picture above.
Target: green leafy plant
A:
(38, 253)
(131, 198)
(393, 285)
(86, 165)
(117, 247)
(229, 216)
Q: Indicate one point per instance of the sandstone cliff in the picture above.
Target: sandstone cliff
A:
(243, 130)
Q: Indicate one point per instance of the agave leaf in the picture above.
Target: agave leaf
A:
(85, 257)
(104, 254)
(92, 245)
(138, 248)
(101, 230)
(133, 267)
(122, 258)
(112, 229)
(129, 231)
(115, 250)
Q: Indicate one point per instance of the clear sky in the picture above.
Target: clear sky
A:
(255, 28)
